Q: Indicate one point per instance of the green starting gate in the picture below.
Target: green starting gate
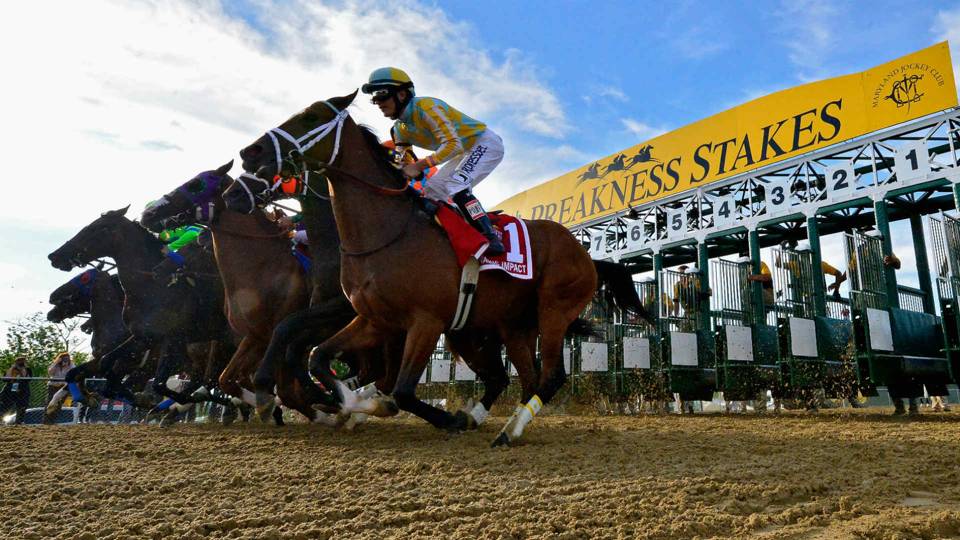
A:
(894, 347)
(746, 358)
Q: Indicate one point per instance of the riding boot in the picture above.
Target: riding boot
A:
(474, 213)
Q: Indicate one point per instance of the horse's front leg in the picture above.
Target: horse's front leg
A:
(421, 341)
(357, 338)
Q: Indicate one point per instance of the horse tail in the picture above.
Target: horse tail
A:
(615, 283)
(581, 327)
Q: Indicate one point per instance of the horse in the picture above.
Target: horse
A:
(385, 244)
(643, 156)
(263, 282)
(157, 315)
(615, 165)
(592, 173)
(100, 294)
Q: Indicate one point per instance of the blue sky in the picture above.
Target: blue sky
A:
(122, 101)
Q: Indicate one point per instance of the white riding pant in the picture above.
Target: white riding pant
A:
(468, 169)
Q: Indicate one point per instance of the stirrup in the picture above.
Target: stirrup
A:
(495, 247)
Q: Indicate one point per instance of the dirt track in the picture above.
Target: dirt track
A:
(830, 476)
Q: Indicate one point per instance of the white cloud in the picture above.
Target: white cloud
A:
(696, 42)
(118, 103)
(810, 36)
(641, 130)
(947, 27)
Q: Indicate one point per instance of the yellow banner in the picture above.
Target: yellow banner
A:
(763, 131)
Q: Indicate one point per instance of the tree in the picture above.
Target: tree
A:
(40, 341)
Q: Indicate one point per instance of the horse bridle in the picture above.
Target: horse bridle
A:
(295, 157)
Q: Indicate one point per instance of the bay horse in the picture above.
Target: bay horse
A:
(263, 282)
(402, 277)
(100, 295)
(157, 314)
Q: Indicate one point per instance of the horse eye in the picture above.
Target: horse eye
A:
(195, 185)
(310, 118)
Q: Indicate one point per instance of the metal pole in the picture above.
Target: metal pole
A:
(923, 264)
(756, 288)
(819, 288)
(704, 262)
(889, 274)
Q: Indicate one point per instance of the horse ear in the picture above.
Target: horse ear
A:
(224, 169)
(343, 102)
(117, 212)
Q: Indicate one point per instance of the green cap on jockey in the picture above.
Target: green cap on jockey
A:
(387, 78)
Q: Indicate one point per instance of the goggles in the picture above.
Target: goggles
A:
(380, 96)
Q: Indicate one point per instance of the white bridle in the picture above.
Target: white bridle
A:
(302, 144)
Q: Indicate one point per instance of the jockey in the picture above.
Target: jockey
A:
(176, 239)
(470, 150)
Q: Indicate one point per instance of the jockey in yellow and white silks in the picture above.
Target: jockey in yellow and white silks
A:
(467, 149)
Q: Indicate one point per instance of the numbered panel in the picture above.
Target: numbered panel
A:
(676, 223)
(881, 335)
(462, 372)
(683, 349)
(636, 238)
(778, 196)
(636, 353)
(440, 370)
(841, 181)
(725, 211)
(803, 337)
(739, 343)
(593, 356)
(912, 161)
(567, 355)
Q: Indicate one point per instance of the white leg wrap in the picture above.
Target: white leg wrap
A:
(353, 402)
(58, 398)
(236, 401)
(355, 420)
(479, 413)
(248, 397)
(325, 419)
(181, 407)
(367, 391)
(521, 417)
(201, 393)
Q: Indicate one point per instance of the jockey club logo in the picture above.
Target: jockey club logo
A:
(620, 163)
(906, 91)
(906, 85)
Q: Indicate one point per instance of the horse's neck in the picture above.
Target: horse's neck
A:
(106, 306)
(243, 260)
(365, 219)
(135, 256)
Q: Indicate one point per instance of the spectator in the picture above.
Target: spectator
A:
(16, 393)
(58, 370)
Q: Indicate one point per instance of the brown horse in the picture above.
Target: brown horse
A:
(262, 281)
(401, 275)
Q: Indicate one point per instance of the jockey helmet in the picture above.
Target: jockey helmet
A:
(388, 78)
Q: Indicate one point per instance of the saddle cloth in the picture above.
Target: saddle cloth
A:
(468, 242)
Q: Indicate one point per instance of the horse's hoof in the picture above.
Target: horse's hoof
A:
(245, 411)
(267, 411)
(501, 440)
(463, 422)
(229, 415)
(169, 419)
(278, 416)
(48, 418)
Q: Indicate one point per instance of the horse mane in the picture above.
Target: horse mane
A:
(380, 154)
(149, 239)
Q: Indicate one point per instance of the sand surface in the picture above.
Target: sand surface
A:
(834, 475)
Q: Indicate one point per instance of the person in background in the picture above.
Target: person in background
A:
(16, 393)
(58, 369)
